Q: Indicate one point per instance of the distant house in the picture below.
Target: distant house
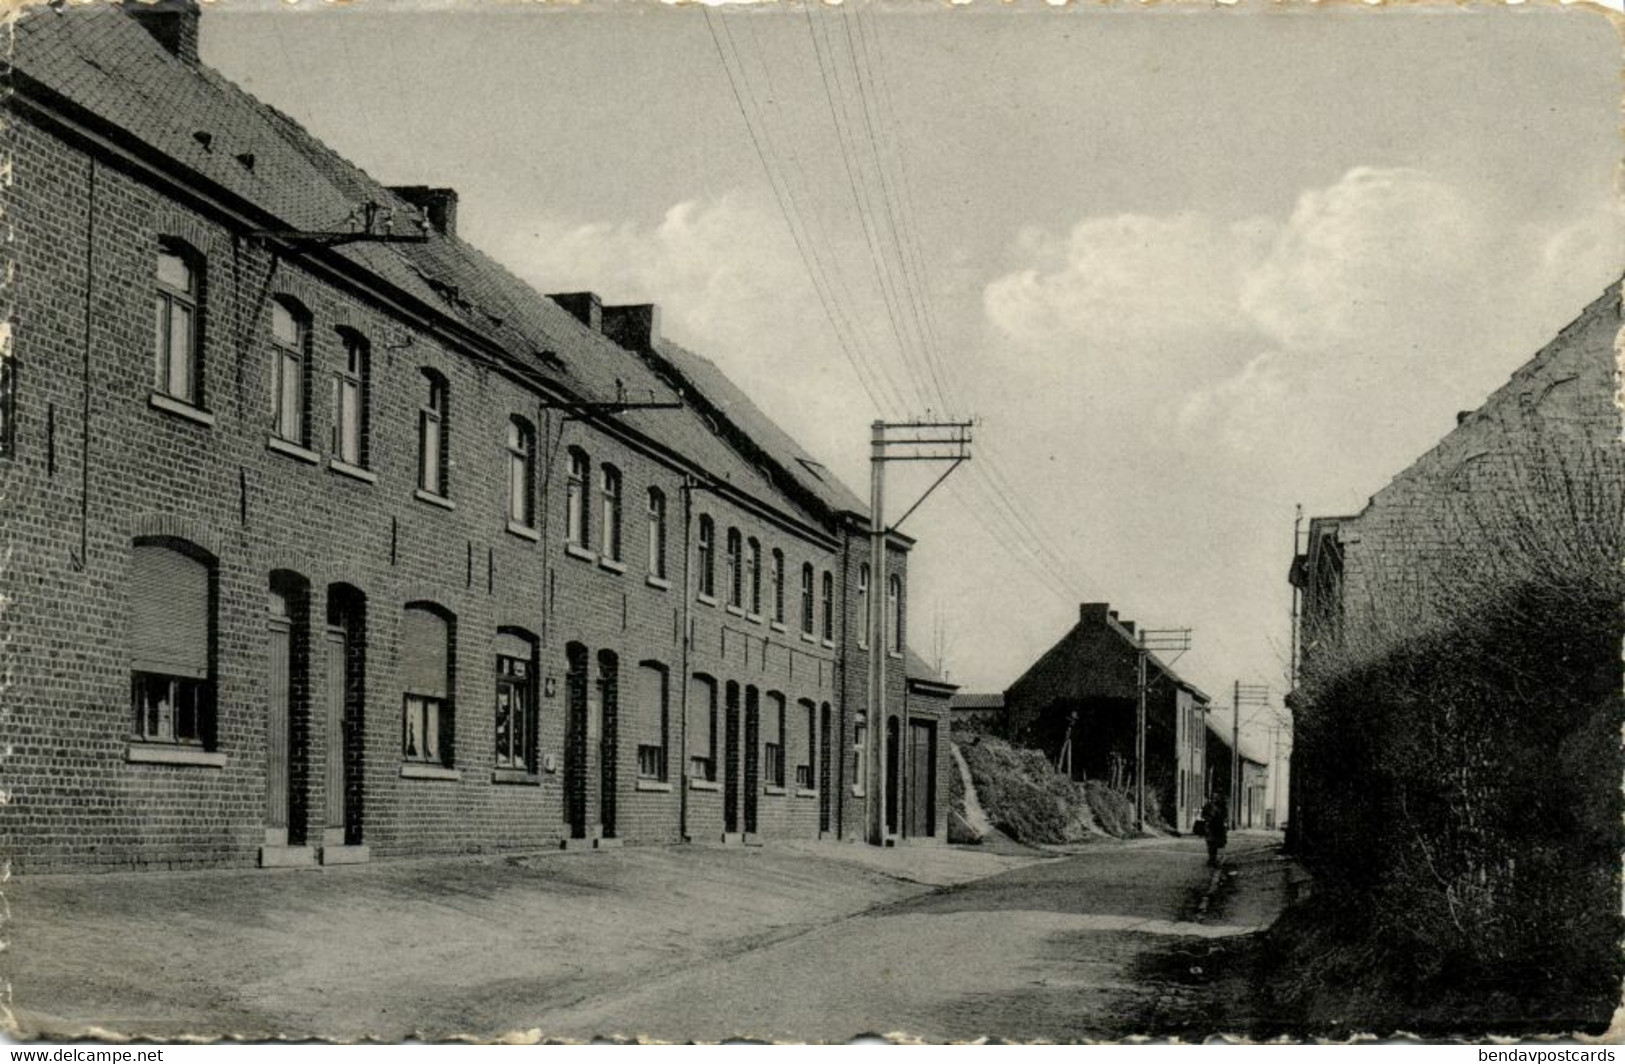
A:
(1248, 809)
(1077, 703)
(979, 711)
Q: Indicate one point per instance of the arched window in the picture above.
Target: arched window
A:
(177, 288)
(575, 521)
(702, 727)
(657, 533)
(516, 724)
(807, 765)
(807, 598)
(521, 472)
(432, 433)
(426, 674)
(611, 534)
(707, 556)
(863, 604)
(736, 569)
(894, 612)
(773, 740)
(829, 606)
(777, 582)
(753, 576)
(172, 633)
(290, 353)
(652, 721)
(349, 400)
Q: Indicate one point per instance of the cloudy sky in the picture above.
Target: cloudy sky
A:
(1188, 266)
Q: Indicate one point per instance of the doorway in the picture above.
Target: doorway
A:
(922, 778)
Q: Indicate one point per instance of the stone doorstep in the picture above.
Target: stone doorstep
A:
(752, 839)
(606, 844)
(732, 838)
(343, 855)
(576, 844)
(287, 857)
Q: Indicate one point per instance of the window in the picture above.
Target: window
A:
(773, 741)
(707, 560)
(652, 720)
(736, 569)
(612, 513)
(894, 612)
(860, 755)
(350, 402)
(516, 702)
(777, 580)
(290, 341)
(176, 343)
(575, 524)
(657, 533)
(426, 669)
(432, 434)
(863, 603)
(702, 727)
(806, 777)
(829, 607)
(171, 635)
(521, 472)
(753, 575)
(807, 598)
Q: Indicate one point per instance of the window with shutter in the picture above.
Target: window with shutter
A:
(426, 676)
(171, 628)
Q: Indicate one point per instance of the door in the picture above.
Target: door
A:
(826, 782)
(730, 762)
(922, 778)
(607, 712)
(277, 720)
(891, 775)
(575, 743)
(338, 688)
(753, 756)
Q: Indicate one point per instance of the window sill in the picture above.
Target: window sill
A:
(657, 581)
(433, 500)
(292, 450)
(354, 472)
(166, 754)
(803, 792)
(828, 644)
(180, 408)
(516, 776)
(737, 611)
(524, 532)
(660, 786)
(754, 618)
(429, 772)
(611, 565)
(772, 790)
(777, 626)
(894, 654)
(857, 791)
(808, 637)
(577, 551)
(707, 599)
(703, 785)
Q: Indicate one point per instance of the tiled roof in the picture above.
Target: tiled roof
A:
(100, 59)
(978, 700)
(915, 668)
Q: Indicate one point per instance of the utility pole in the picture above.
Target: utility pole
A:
(1297, 605)
(906, 441)
(1253, 695)
(1168, 639)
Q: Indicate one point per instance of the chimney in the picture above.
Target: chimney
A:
(1128, 626)
(1096, 613)
(1463, 415)
(172, 23)
(584, 305)
(633, 326)
(439, 205)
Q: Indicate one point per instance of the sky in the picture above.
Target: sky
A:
(1188, 267)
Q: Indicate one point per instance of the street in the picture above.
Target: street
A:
(1104, 944)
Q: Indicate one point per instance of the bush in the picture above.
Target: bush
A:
(1030, 802)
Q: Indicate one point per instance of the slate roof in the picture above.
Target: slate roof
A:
(103, 61)
(978, 700)
(915, 668)
(1221, 732)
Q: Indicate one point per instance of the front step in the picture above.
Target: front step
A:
(732, 838)
(342, 855)
(287, 857)
(606, 844)
(576, 844)
(752, 839)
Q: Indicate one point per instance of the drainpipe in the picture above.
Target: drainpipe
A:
(687, 492)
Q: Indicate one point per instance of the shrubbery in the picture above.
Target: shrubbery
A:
(1030, 802)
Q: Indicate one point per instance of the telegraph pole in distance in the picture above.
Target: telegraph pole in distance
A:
(1253, 695)
(1172, 639)
(900, 441)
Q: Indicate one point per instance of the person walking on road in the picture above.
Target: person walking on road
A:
(1216, 825)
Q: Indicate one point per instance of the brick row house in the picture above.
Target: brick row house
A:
(325, 544)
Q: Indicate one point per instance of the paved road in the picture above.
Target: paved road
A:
(1104, 944)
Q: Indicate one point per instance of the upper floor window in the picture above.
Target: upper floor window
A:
(894, 612)
(777, 581)
(829, 606)
(350, 401)
(611, 532)
(707, 556)
(177, 363)
(863, 604)
(290, 343)
(807, 598)
(575, 519)
(426, 699)
(736, 569)
(521, 472)
(171, 634)
(657, 533)
(432, 434)
(753, 575)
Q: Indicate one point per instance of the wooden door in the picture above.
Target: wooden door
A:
(753, 757)
(278, 710)
(730, 764)
(826, 780)
(922, 778)
(338, 687)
